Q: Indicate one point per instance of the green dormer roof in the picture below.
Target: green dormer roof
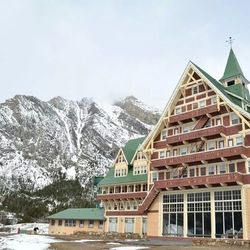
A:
(130, 148)
(232, 68)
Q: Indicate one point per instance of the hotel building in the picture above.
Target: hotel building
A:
(190, 176)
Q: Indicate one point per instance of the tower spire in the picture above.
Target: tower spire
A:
(233, 69)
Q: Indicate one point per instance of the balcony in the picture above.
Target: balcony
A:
(121, 196)
(224, 179)
(193, 114)
(123, 213)
(238, 151)
(204, 132)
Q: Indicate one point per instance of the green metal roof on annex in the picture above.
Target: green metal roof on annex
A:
(129, 178)
(131, 147)
(79, 214)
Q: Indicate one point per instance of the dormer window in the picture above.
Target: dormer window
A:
(120, 159)
(120, 172)
(140, 156)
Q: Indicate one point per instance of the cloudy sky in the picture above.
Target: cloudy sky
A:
(109, 49)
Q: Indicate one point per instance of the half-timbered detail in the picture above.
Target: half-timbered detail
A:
(190, 177)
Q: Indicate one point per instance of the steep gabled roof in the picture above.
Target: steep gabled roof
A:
(79, 214)
(129, 150)
(233, 68)
(131, 147)
(233, 100)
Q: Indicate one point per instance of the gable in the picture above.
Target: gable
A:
(193, 75)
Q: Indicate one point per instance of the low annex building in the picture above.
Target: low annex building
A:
(74, 220)
(190, 177)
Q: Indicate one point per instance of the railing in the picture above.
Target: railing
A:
(201, 156)
(193, 113)
(118, 196)
(204, 132)
(202, 180)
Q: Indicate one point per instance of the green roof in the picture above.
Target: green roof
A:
(224, 90)
(232, 68)
(79, 214)
(110, 179)
(97, 179)
(130, 148)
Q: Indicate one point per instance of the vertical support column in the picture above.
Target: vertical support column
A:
(244, 212)
(185, 214)
(213, 223)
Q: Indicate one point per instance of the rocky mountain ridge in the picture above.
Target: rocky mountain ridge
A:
(41, 142)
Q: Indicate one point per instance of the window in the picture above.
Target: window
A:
(230, 83)
(192, 172)
(230, 143)
(199, 214)
(162, 154)
(91, 223)
(222, 169)
(59, 222)
(239, 140)
(214, 99)
(195, 90)
(221, 144)
(52, 222)
(218, 121)
(183, 150)
(81, 223)
(138, 188)
(168, 153)
(203, 171)
(234, 119)
(163, 134)
(175, 173)
(173, 205)
(144, 187)
(186, 128)
(202, 104)
(208, 124)
(177, 110)
(211, 170)
(211, 145)
(176, 131)
(249, 167)
(228, 214)
(154, 176)
(120, 172)
(70, 223)
(175, 152)
(129, 225)
(231, 167)
(100, 224)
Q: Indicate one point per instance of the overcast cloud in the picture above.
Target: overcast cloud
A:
(109, 49)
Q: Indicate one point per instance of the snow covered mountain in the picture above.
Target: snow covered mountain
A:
(43, 142)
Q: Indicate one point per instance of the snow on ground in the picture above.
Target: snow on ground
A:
(43, 227)
(42, 242)
(26, 242)
(129, 248)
